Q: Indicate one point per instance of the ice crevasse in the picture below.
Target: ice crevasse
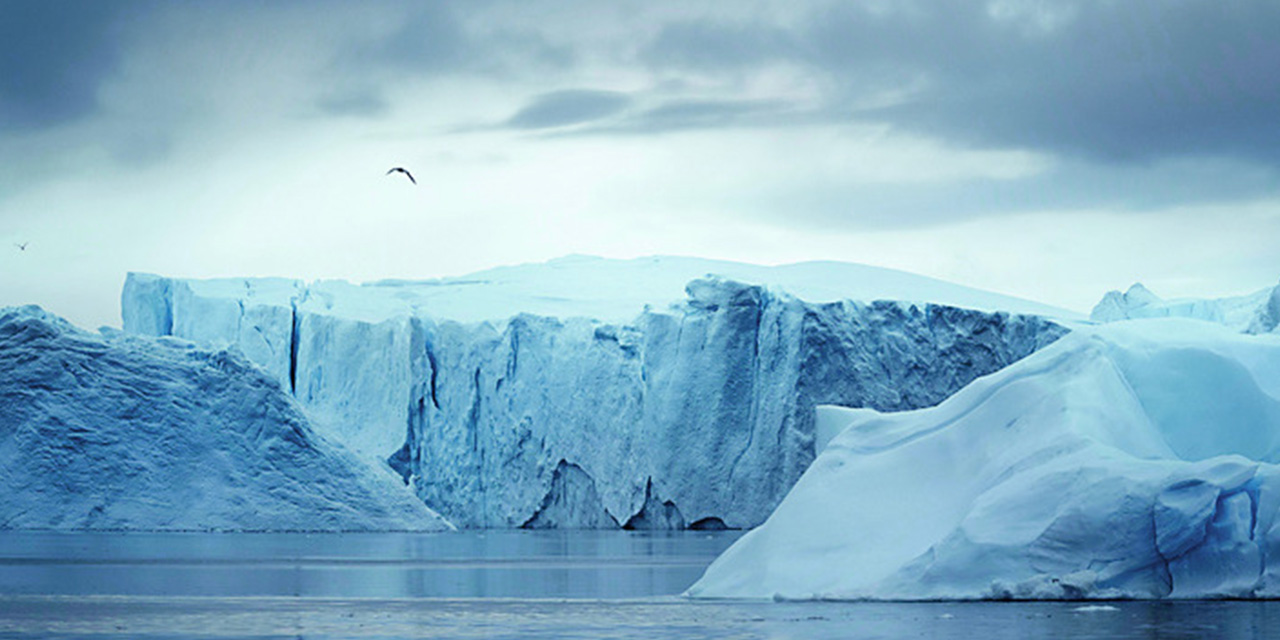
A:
(1136, 459)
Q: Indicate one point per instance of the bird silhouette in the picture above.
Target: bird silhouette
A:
(404, 171)
(22, 246)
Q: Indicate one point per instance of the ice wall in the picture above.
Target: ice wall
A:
(695, 415)
(1255, 313)
(122, 432)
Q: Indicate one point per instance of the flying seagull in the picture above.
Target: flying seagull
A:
(22, 246)
(404, 171)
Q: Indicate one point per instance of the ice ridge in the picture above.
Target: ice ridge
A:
(116, 431)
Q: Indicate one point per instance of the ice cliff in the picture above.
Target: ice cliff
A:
(1136, 459)
(1258, 312)
(111, 431)
(600, 393)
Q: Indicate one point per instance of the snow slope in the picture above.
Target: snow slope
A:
(596, 393)
(1258, 312)
(1135, 459)
(121, 432)
(616, 290)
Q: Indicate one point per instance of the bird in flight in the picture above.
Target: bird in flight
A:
(22, 246)
(404, 171)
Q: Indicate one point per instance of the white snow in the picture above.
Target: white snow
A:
(593, 392)
(1135, 459)
(608, 290)
(1258, 312)
(115, 431)
(830, 420)
(617, 290)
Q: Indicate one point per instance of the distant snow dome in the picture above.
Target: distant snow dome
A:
(605, 289)
(128, 433)
(1258, 312)
(1130, 460)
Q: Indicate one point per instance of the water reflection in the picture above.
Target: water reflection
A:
(555, 584)
(507, 564)
(62, 618)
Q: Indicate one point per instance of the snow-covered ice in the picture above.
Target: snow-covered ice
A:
(1133, 459)
(113, 431)
(587, 392)
(1258, 312)
(605, 289)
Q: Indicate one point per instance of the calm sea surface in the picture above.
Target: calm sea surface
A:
(574, 584)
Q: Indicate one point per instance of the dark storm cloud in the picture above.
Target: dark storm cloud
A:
(53, 57)
(570, 107)
(56, 55)
(1105, 81)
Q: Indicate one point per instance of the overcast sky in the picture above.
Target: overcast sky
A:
(1051, 150)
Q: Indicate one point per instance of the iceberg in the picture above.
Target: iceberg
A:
(586, 392)
(1258, 312)
(1136, 459)
(114, 431)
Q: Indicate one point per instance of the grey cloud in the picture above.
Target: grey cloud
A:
(53, 58)
(570, 107)
(678, 115)
(362, 103)
(531, 50)
(1115, 82)
(142, 148)
(436, 38)
(1136, 188)
(705, 114)
(585, 112)
(712, 46)
(428, 39)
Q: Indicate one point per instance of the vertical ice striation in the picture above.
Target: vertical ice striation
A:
(254, 315)
(695, 414)
(147, 305)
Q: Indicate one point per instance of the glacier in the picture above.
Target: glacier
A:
(108, 431)
(1258, 312)
(588, 392)
(1136, 459)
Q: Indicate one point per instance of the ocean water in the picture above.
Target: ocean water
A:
(510, 584)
